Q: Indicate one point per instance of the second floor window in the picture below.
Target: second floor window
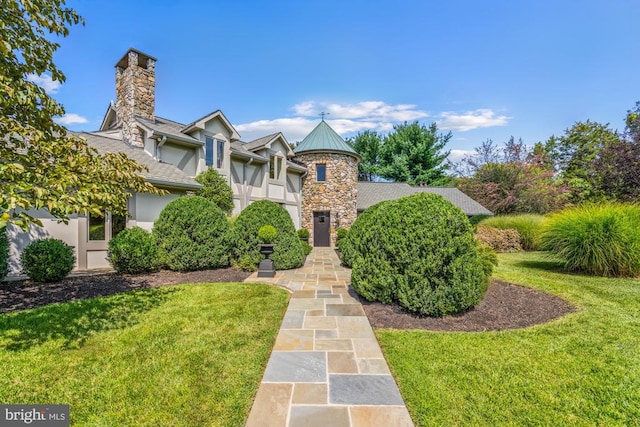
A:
(275, 167)
(213, 152)
(321, 172)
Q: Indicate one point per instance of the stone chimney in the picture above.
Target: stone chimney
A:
(135, 93)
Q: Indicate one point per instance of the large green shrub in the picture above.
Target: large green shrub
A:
(288, 251)
(47, 260)
(418, 251)
(600, 239)
(133, 251)
(216, 189)
(4, 253)
(527, 225)
(192, 234)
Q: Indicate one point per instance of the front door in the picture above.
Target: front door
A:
(322, 228)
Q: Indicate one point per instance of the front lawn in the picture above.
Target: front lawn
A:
(583, 369)
(185, 355)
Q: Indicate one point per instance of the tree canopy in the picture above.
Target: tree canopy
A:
(42, 165)
(410, 153)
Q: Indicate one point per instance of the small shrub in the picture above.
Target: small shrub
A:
(192, 234)
(341, 233)
(527, 225)
(47, 260)
(246, 263)
(306, 248)
(133, 251)
(288, 252)
(216, 189)
(303, 233)
(418, 251)
(4, 253)
(489, 258)
(599, 239)
(507, 240)
(267, 234)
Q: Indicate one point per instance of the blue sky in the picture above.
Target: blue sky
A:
(481, 69)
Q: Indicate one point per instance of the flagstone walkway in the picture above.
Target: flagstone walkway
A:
(326, 368)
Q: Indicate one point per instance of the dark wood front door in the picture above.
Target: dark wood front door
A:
(321, 228)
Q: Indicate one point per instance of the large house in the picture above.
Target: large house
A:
(316, 182)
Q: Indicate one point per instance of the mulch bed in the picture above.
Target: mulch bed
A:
(505, 306)
(22, 295)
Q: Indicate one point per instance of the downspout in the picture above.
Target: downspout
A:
(245, 196)
(160, 144)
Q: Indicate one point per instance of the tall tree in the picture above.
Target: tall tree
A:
(632, 121)
(41, 164)
(367, 144)
(413, 153)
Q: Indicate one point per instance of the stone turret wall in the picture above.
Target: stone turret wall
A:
(135, 94)
(338, 194)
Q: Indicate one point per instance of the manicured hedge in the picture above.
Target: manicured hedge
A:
(192, 234)
(599, 239)
(4, 253)
(527, 225)
(288, 251)
(418, 251)
(47, 260)
(133, 251)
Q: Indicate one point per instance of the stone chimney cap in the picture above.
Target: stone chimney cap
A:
(142, 59)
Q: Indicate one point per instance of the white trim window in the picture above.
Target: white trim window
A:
(275, 167)
(213, 152)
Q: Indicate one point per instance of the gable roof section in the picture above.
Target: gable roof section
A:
(168, 128)
(200, 123)
(324, 138)
(161, 174)
(265, 141)
(110, 117)
(370, 193)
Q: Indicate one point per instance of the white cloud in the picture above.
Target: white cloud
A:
(480, 118)
(46, 82)
(71, 119)
(369, 110)
(456, 155)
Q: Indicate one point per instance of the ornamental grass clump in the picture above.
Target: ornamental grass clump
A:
(528, 227)
(192, 234)
(288, 250)
(418, 251)
(133, 251)
(47, 260)
(598, 239)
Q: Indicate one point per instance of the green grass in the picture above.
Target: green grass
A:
(186, 355)
(527, 225)
(581, 370)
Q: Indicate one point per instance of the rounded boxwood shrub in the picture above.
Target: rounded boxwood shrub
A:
(267, 234)
(47, 260)
(133, 251)
(418, 251)
(192, 234)
(599, 239)
(4, 253)
(288, 251)
(303, 233)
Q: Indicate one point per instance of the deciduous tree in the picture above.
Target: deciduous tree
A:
(41, 164)
(367, 144)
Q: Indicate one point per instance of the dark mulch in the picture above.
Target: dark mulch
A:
(22, 295)
(505, 306)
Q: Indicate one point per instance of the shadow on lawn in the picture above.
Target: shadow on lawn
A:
(75, 322)
(547, 265)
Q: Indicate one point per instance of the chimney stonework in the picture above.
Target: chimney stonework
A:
(135, 94)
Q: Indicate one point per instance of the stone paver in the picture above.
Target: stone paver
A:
(326, 368)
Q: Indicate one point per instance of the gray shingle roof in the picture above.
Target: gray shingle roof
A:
(260, 142)
(239, 149)
(161, 174)
(169, 128)
(370, 193)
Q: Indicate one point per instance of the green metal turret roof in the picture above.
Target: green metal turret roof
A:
(323, 138)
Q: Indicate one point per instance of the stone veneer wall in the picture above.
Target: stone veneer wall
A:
(135, 96)
(338, 194)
